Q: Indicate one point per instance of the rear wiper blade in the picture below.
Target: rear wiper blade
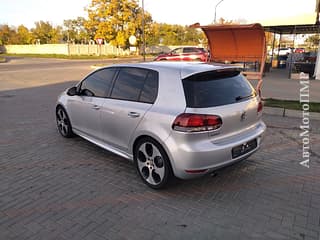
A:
(243, 97)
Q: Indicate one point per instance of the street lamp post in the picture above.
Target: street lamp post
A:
(215, 11)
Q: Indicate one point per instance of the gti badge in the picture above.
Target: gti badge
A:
(243, 116)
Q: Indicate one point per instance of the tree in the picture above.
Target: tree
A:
(313, 41)
(75, 30)
(115, 21)
(46, 33)
(168, 34)
(24, 35)
(7, 35)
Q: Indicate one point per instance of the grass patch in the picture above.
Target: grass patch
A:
(2, 59)
(290, 104)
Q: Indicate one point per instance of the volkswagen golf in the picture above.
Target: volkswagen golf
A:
(172, 119)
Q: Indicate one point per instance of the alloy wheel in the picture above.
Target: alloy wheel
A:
(63, 123)
(151, 164)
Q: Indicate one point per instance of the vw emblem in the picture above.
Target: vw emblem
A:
(243, 116)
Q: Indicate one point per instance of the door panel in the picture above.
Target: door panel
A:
(119, 119)
(85, 108)
(123, 111)
(85, 114)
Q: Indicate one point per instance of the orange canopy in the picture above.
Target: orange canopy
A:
(237, 43)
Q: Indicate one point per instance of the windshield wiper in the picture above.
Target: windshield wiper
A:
(243, 97)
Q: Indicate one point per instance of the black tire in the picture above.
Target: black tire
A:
(63, 123)
(152, 163)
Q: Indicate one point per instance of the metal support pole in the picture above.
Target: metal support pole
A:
(279, 50)
(291, 62)
(273, 42)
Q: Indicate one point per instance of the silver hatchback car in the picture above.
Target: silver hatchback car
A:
(182, 119)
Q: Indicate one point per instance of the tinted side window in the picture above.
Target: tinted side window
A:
(190, 50)
(150, 89)
(129, 84)
(177, 51)
(216, 88)
(99, 83)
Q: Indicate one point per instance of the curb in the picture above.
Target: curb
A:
(289, 113)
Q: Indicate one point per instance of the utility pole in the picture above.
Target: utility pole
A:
(143, 34)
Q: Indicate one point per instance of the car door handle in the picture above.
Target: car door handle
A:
(95, 107)
(133, 114)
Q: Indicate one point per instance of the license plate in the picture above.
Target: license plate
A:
(244, 148)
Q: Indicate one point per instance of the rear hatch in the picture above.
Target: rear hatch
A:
(227, 94)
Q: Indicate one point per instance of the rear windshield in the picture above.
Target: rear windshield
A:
(212, 89)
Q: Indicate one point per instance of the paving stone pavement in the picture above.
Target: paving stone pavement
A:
(56, 188)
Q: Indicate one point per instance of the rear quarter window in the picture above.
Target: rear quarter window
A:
(211, 89)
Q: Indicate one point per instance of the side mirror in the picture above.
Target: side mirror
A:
(72, 91)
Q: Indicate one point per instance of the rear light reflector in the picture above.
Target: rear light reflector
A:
(189, 122)
(196, 171)
(260, 107)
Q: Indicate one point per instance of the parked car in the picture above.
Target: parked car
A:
(281, 52)
(185, 54)
(182, 119)
(299, 50)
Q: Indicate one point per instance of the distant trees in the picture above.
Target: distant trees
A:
(112, 20)
(7, 35)
(75, 31)
(115, 21)
(24, 36)
(44, 32)
(167, 34)
(313, 41)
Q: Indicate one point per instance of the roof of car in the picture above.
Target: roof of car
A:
(185, 68)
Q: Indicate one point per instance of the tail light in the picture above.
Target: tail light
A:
(260, 106)
(189, 122)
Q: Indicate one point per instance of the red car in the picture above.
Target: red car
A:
(299, 50)
(185, 54)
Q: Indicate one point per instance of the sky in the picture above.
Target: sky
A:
(26, 12)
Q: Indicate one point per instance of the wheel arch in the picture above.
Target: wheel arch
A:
(59, 105)
(160, 142)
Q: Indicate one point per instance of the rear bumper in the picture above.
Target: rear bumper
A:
(198, 158)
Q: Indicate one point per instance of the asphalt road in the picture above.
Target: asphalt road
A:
(57, 188)
(19, 73)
